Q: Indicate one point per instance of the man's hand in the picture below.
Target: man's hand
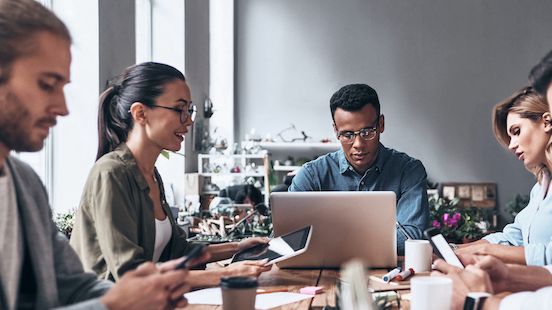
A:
(251, 242)
(470, 279)
(148, 287)
(496, 269)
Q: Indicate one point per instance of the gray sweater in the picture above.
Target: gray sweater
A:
(60, 278)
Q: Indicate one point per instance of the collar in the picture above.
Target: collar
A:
(382, 156)
(124, 153)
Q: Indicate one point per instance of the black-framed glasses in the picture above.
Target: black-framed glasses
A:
(366, 134)
(184, 113)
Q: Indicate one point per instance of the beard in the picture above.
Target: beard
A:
(15, 127)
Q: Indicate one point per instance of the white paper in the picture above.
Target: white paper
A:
(213, 296)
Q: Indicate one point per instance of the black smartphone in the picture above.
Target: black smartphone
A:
(197, 250)
(441, 247)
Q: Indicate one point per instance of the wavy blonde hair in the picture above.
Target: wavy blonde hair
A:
(528, 104)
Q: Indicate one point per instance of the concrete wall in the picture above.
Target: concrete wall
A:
(438, 66)
(197, 65)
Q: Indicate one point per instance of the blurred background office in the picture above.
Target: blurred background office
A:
(438, 66)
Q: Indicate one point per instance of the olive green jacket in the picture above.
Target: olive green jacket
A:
(114, 227)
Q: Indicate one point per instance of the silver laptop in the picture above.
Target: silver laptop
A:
(346, 225)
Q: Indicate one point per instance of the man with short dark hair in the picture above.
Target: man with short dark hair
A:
(38, 268)
(541, 78)
(364, 164)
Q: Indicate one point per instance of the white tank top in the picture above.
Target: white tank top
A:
(163, 233)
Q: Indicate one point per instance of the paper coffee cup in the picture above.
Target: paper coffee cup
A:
(238, 293)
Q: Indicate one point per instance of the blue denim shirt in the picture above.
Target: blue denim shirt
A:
(392, 171)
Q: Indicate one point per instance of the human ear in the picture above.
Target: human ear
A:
(138, 112)
(381, 124)
(547, 119)
(334, 128)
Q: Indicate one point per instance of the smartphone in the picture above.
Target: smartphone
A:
(441, 247)
(197, 250)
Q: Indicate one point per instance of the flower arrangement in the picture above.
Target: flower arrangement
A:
(456, 223)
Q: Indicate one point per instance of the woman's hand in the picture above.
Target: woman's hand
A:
(247, 268)
(251, 242)
(506, 253)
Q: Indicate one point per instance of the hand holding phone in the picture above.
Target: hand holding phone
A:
(197, 250)
(441, 247)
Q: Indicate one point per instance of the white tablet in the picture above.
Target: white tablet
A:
(278, 249)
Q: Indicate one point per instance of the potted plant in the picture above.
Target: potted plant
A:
(457, 224)
(65, 221)
(516, 204)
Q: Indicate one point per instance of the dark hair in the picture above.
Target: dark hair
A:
(250, 191)
(541, 74)
(19, 21)
(354, 97)
(139, 83)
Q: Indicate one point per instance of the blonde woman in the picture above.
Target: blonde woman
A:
(521, 124)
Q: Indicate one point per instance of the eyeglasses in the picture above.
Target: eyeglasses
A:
(366, 134)
(184, 113)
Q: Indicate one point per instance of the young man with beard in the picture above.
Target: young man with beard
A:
(38, 268)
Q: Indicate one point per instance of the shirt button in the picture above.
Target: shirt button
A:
(362, 183)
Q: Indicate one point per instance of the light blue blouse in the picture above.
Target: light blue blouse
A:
(532, 229)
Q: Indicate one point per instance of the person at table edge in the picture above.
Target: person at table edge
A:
(364, 164)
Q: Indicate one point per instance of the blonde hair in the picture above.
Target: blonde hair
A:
(528, 104)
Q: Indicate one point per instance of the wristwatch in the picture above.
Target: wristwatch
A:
(475, 300)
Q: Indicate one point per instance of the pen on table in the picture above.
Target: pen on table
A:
(391, 274)
(403, 230)
(271, 290)
(405, 274)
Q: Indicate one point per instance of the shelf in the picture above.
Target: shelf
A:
(286, 168)
(319, 146)
(210, 192)
(213, 174)
(238, 156)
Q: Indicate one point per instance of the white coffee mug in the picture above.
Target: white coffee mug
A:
(430, 293)
(417, 255)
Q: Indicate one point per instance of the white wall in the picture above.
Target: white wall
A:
(438, 67)
(75, 137)
(168, 47)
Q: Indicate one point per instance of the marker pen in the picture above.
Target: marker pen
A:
(405, 274)
(391, 274)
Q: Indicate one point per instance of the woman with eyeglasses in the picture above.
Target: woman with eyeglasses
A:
(123, 218)
(521, 124)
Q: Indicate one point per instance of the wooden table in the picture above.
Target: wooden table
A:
(294, 279)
